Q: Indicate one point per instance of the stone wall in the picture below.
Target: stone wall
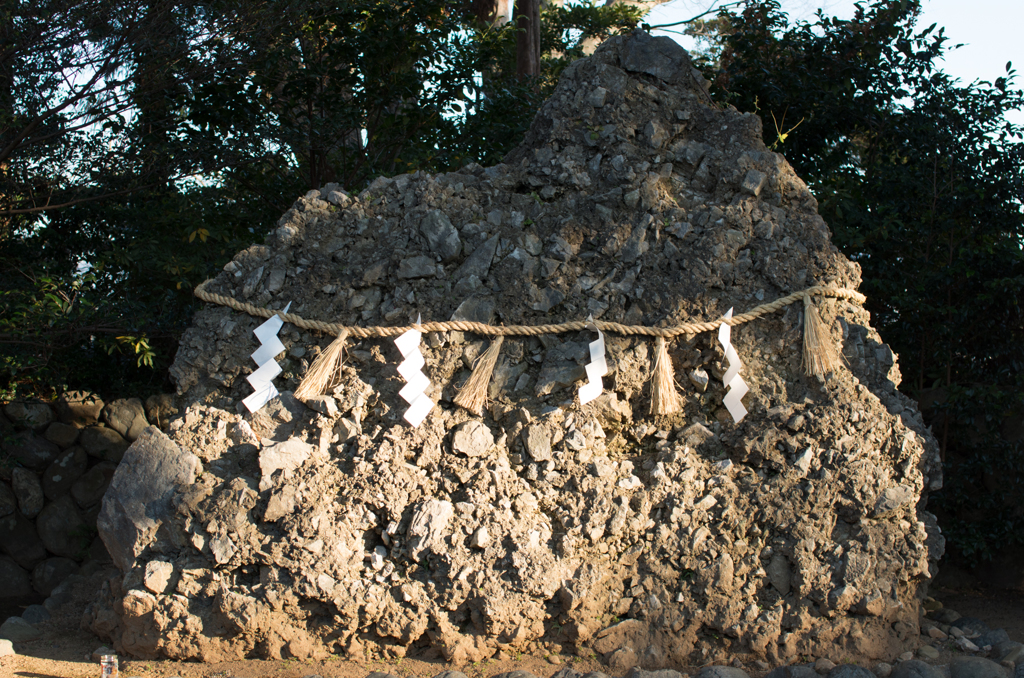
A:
(56, 461)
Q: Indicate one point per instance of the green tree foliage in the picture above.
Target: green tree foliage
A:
(142, 143)
(65, 100)
(921, 179)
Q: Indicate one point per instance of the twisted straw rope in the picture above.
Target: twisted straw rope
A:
(529, 330)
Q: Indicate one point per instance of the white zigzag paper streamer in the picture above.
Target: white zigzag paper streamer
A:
(262, 379)
(596, 368)
(411, 369)
(732, 379)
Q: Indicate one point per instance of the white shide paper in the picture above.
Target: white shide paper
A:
(415, 390)
(262, 379)
(596, 368)
(732, 380)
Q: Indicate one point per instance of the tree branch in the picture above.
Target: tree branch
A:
(711, 10)
(76, 201)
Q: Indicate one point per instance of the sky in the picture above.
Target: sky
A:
(990, 31)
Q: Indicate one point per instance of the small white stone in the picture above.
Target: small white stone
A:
(824, 665)
(325, 405)
(158, 576)
(598, 97)
(699, 378)
(630, 483)
(706, 503)
(480, 539)
(346, 429)
(377, 557)
(882, 670)
(339, 198)
(967, 645)
(803, 462)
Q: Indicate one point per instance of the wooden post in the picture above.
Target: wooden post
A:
(528, 38)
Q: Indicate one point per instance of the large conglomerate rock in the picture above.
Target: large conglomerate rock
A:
(338, 528)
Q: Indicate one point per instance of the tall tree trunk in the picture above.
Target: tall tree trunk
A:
(160, 55)
(528, 38)
(7, 37)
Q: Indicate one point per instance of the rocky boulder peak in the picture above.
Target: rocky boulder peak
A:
(331, 525)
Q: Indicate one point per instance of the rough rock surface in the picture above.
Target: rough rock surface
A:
(20, 541)
(16, 582)
(60, 476)
(62, 529)
(103, 443)
(28, 490)
(975, 667)
(29, 415)
(79, 408)
(126, 416)
(18, 630)
(633, 198)
(137, 505)
(62, 435)
(8, 502)
(31, 451)
(159, 409)
(47, 575)
(89, 489)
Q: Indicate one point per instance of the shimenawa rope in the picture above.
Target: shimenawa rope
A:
(529, 330)
(819, 355)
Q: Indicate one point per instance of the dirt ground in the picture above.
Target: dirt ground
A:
(66, 655)
(64, 651)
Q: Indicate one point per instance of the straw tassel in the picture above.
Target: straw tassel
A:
(474, 393)
(321, 373)
(664, 398)
(820, 356)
